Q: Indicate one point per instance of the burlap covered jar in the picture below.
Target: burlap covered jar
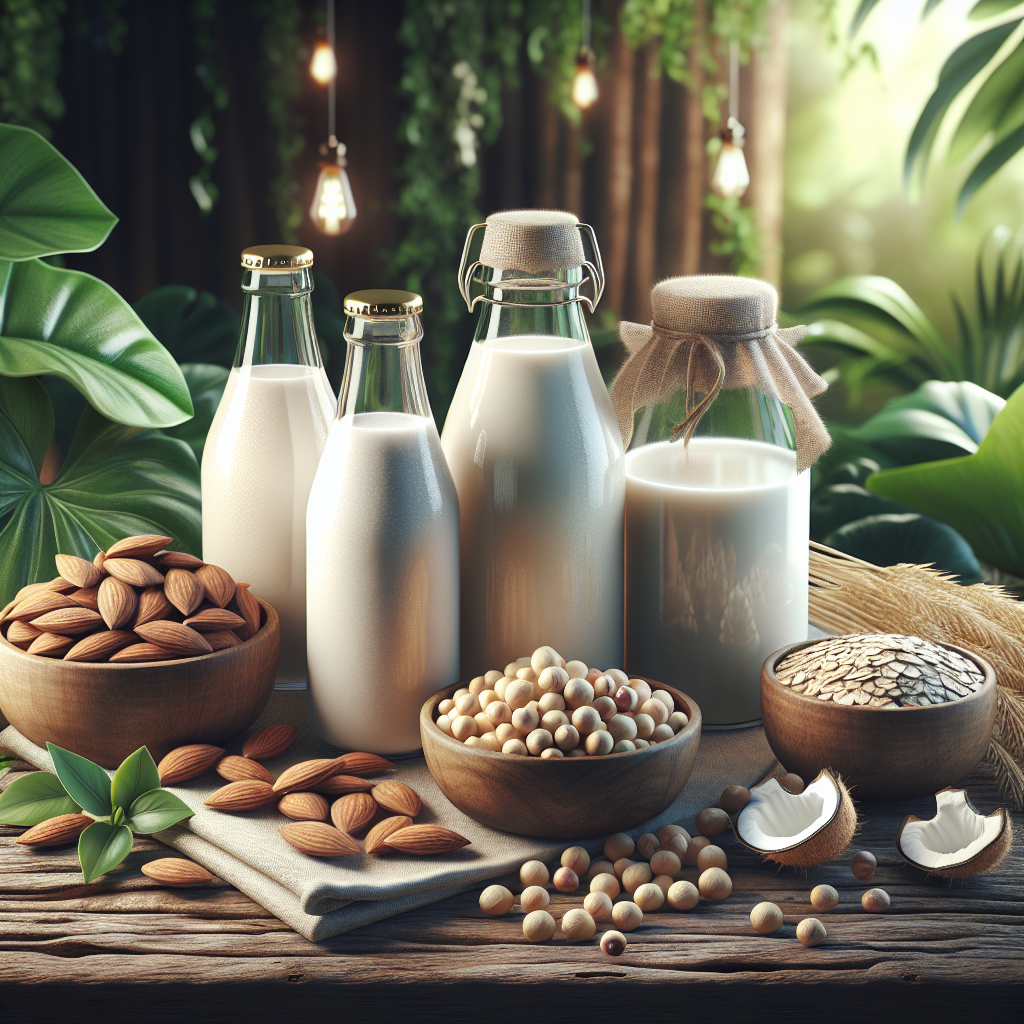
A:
(714, 409)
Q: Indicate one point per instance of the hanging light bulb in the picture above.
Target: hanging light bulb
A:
(333, 208)
(324, 66)
(731, 176)
(584, 85)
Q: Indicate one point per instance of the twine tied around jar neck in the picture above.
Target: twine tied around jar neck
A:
(711, 332)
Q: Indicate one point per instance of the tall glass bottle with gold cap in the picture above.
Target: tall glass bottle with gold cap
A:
(265, 442)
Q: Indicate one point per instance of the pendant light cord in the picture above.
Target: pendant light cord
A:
(585, 26)
(331, 122)
(734, 81)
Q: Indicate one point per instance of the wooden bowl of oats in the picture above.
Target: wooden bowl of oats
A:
(895, 716)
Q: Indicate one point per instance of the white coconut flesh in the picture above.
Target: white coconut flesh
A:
(776, 819)
(955, 835)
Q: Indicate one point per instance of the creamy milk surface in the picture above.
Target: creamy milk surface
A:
(258, 465)
(382, 581)
(716, 567)
(535, 451)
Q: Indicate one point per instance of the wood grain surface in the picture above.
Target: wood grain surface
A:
(126, 949)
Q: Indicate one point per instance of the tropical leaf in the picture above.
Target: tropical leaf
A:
(987, 8)
(980, 495)
(86, 783)
(998, 106)
(864, 8)
(834, 506)
(46, 206)
(194, 326)
(205, 386)
(34, 798)
(156, 810)
(136, 775)
(930, 6)
(998, 155)
(101, 847)
(70, 324)
(115, 481)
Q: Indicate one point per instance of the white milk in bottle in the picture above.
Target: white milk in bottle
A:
(536, 455)
(382, 542)
(265, 442)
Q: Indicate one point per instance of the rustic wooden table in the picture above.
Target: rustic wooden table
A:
(125, 949)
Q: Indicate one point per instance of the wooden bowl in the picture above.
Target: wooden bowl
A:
(561, 798)
(881, 753)
(104, 712)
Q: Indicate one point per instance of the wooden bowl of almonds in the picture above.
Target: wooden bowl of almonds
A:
(141, 646)
(895, 716)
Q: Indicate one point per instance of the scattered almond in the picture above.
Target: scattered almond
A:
(133, 572)
(139, 653)
(425, 840)
(219, 586)
(353, 812)
(337, 785)
(78, 571)
(235, 768)
(249, 608)
(177, 560)
(397, 797)
(183, 590)
(39, 603)
(188, 762)
(100, 646)
(221, 639)
(143, 545)
(212, 619)
(153, 605)
(73, 621)
(269, 742)
(21, 634)
(176, 871)
(117, 603)
(375, 838)
(59, 831)
(362, 764)
(99, 558)
(303, 806)
(86, 598)
(51, 645)
(318, 839)
(246, 795)
(174, 636)
(305, 774)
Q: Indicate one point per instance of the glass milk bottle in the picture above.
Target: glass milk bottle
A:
(716, 525)
(265, 442)
(535, 451)
(382, 534)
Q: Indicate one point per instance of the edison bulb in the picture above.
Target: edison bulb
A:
(731, 176)
(333, 208)
(584, 85)
(323, 67)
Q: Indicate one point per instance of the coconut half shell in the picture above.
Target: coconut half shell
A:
(959, 841)
(798, 829)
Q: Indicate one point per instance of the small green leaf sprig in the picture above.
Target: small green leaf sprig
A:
(132, 802)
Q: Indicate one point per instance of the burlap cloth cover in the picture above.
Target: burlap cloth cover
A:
(531, 241)
(710, 332)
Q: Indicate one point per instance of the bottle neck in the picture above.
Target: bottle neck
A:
(383, 371)
(513, 303)
(277, 319)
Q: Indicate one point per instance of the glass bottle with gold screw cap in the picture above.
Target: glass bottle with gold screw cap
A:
(382, 542)
(262, 450)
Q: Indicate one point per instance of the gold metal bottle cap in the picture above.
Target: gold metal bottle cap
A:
(383, 302)
(276, 257)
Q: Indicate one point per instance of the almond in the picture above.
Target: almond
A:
(362, 764)
(21, 634)
(397, 797)
(249, 608)
(117, 603)
(222, 638)
(86, 598)
(153, 605)
(57, 586)
(177, 560)
(353, 812)
(219, 586)
(235, 768)
(100, 646)
(73, 621)
(318, 839)
(183, 590)
(337, 785)
(425, 840)
(176, 871)
(99, 558)
(188, 762)
(78, 571)
(144, 545)
(245, 795)
(174, 637)
(374, 841)
(39, 603)
(133, 572)
(210, 620)
(59, 831)
(305, 774)
(51, 645)
(139, 653)
(269, 742)
(303, 806)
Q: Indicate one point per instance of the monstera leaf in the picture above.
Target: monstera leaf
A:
(194, 326)
(116, 481)
(205, 385)
(46, 206)
(70, 324)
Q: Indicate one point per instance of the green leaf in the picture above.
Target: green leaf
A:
(136, 775)
(6, 760)
(85, 782)
(33, 798)
(116, 481)
(157, 810)
(194, 326)
(29, 412)
(980, 495)
(838, 504)
(930, 6)
(205, 385)
(103, 846)
(864, 8)
(989, 8)
(998, 155)
(46, 206)
(998, 104)
(74, 326)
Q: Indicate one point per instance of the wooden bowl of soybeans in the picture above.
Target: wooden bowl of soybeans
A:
(561, 798)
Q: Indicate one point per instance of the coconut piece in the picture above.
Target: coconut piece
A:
(798, 829)
(959, 841)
